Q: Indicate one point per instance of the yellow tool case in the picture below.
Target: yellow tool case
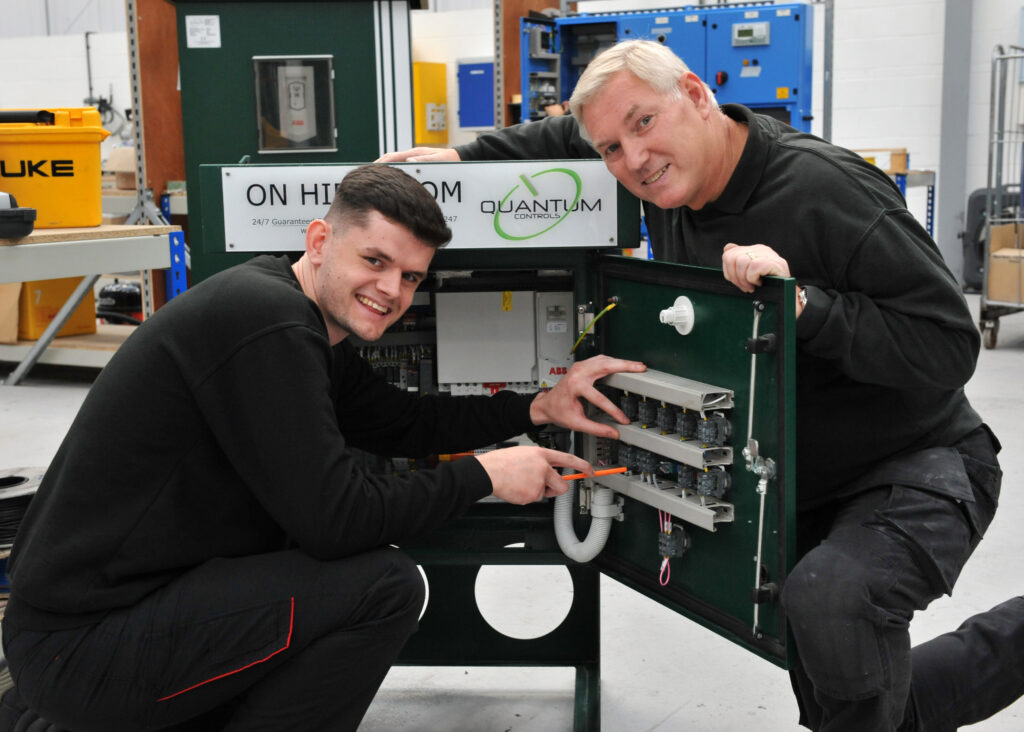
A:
(50, 160)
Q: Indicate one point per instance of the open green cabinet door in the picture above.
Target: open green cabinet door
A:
(710, 449)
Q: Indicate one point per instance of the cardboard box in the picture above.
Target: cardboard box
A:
(889, 159)
(1003, 268)
(55, 167)
(40, 302)
(1006, 236)
(1005, 283)
(9, 294)
(122, 164)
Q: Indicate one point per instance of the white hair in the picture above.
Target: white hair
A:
(652, 63)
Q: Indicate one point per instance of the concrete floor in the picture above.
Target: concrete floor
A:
(659, 671)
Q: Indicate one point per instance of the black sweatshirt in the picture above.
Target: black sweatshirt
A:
(886, 341)
(219, 429)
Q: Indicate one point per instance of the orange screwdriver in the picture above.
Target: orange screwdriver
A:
(608, 471)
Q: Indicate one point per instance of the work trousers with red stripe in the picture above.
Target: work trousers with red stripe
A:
(271, 642)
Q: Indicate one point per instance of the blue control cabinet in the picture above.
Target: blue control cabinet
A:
(476, 93)
(760, 55)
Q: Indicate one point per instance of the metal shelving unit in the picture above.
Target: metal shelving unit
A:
(87, 253)
(915, 178)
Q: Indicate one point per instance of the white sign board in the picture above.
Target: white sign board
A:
(202, 31)
(494, 205)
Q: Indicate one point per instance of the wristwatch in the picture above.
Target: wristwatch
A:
(801, 295)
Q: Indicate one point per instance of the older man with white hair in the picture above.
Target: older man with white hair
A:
(897, 475)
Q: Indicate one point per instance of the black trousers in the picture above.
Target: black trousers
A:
(876, 559)
(272, 642)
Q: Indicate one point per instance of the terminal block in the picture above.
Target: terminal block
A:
(670, 446)
(647, 462)
(675, 544)
(629, 404)
(715, 429)
(686, 478)
(626, 455)
(713, 483)
(666, 417)
(680, 498)
(676, 448)
(647, 413)
(686, 424)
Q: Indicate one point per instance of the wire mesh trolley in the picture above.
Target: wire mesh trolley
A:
(1002, 289)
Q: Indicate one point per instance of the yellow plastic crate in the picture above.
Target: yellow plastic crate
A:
(54, 167)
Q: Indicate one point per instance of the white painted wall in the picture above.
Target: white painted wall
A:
(887, 80)
(446, 37)
(51, 71)
(23, 18)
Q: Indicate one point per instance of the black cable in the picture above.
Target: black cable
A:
(12, 511)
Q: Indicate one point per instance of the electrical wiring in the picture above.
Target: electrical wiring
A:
(587, 329)
(664, 526)
(12, 510)
(603, 507)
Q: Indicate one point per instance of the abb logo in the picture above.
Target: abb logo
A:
(558, 371)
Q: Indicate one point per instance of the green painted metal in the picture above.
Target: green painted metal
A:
(712, 582)
(218, 96)
(454, 632)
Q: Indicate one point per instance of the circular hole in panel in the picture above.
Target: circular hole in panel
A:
(524, 601)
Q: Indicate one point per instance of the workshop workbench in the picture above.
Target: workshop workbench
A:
(79, 252)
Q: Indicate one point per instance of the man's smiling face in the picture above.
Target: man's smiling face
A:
(367, 276)
(655, 144)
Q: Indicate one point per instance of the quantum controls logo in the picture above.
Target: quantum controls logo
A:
(538, 203)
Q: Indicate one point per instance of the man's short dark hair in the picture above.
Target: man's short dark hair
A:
(394, 194)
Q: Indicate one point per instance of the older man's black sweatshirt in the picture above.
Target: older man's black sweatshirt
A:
(886, 342)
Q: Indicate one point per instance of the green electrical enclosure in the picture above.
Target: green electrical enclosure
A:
(737, 544)
(714, 581)
(254, 73)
